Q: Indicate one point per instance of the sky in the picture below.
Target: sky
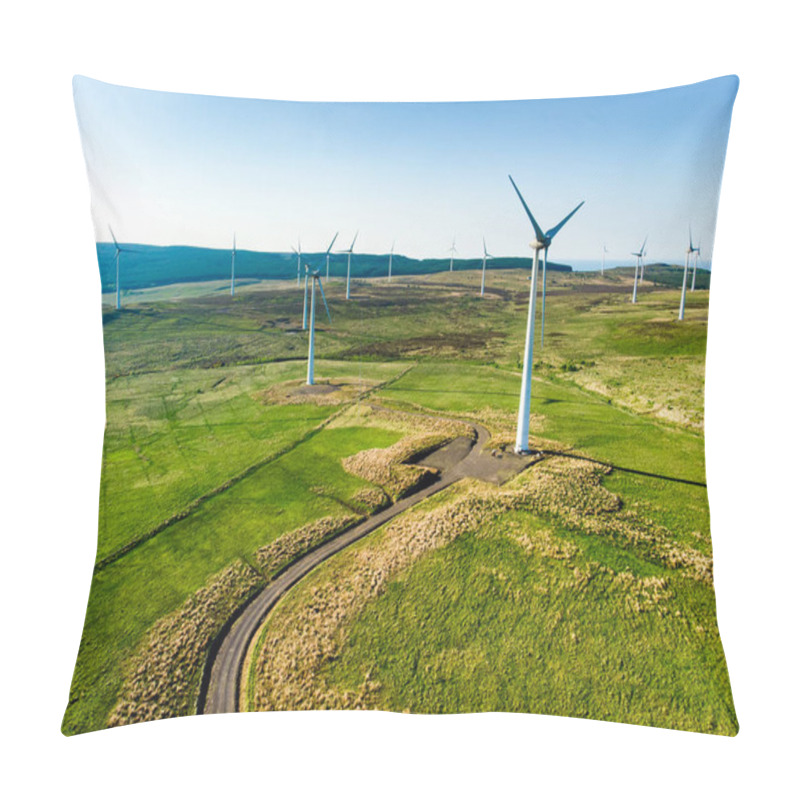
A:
(167, 168)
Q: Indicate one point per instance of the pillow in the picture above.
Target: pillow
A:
(404, 407)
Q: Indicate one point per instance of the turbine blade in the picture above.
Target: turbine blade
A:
(641, 249)
(354, 242)
(539, 234)
(322, 292)
(234, 242)
(331, 244)
(484, 247)
(113, 237)
(553, 231)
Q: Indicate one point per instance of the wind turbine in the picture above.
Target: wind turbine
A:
(233, 266)
(689, 251)
(639, 257)
(452, 252)
(328, 258)
(391, 253)
(641, 272)
(117, 251)
(298, 252)
(483, 269)
(696, 259)
(541, 242)
(349, 252)
(315, 280)
(603, 265)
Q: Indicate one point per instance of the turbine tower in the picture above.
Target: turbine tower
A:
(452, 252)
(541, 242)
(689, 252)
(328, 258)
(391, 254)
(349, 252)
(483, 268)
(315, 280)
(639, 257)
(299, 253)
(117, 251)
(233, 267)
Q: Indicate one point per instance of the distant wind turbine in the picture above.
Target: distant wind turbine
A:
(452, 252)
(639, 257)
(315, 281)
(603, 265)
(233, 266)
(541, 242)
(328, 258)
(299, 253)
(483, 268)
(117, 251)
(391, 254)
(305, 303)
(641, 272)
(689, 252)
(349, 252)
(696, 259)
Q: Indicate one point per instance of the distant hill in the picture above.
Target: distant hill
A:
(143, 265)
(672, 275)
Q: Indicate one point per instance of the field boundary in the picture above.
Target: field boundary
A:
(223, 487)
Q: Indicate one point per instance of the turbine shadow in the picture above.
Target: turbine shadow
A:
(626, 469)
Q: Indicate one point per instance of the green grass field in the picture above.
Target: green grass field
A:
(484, 625)
(199, 471)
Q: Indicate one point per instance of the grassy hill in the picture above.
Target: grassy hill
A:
(601, 601)
(144, 265)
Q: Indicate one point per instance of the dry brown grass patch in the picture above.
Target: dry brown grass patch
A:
(277, 555)
(387, 467)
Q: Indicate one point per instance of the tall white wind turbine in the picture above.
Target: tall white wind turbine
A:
(299, 253)
(315, 281)
(689, 252)
(541, 242)
(391, 254)
(328, 258)
(117, 251)
(452, 252)
(639, 258)
(349, 252)
(233, 267)
(483, 268)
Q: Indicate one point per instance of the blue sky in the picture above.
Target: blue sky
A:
(170, 168)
